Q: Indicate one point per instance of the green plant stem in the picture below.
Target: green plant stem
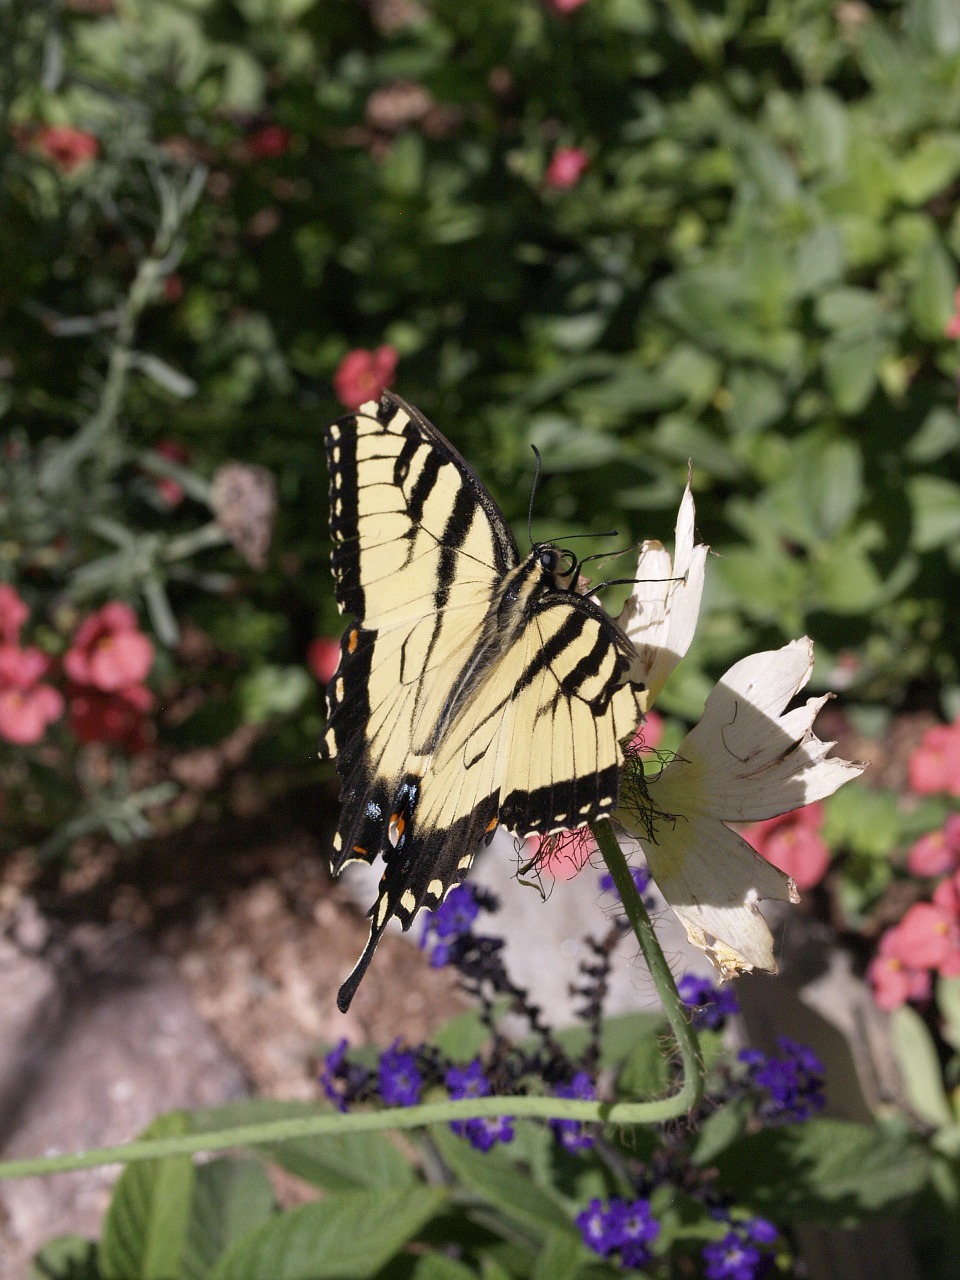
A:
(622, 1114)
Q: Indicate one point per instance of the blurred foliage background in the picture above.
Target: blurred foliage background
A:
(752, 265)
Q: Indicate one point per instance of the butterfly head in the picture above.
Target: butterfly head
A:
(560, 567)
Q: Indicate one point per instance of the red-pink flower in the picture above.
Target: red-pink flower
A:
(363, 375)
(925, 937)
(168, 488)
(108, 650)
(562, 855)
(953, 324)
(792, 842)
(13, 614)
(26, 705)
(565, 6)
(565, 167)
(938, 852)
(947, 895)
(893, 981)
(935, 765)
(269, 142)
(118, 717)
(68, 148)
(323, 654)
(650, 733)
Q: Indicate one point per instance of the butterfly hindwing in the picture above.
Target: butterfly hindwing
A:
(473, 689)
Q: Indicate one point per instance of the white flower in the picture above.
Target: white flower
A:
(747, 759)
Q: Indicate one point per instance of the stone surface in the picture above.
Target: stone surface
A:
(99, 1051)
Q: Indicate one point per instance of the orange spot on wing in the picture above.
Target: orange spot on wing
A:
(492, 824)
(359, 849)
(352, 640)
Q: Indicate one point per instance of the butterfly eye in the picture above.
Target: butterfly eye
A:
(550, 559)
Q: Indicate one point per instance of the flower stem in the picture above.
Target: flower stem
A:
(691, 1090)
(620, 1114)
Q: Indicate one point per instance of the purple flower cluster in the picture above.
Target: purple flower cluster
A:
(736, 1256)
(574, 1135)
(793, 1082)
(483, 1132)
(453, 919)
(710, 1005)
(341, 1080)
(622, 1230)
(400, 1081)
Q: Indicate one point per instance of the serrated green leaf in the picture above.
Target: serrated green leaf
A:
(347, 1236)
(336, 1162)
(495, 1178)
(757, 399)
(232, 1196)
(850, 366)
(619, 1036)
(720, 1129)
(66, 1258)
(145, 1230)
(919, 1065)
(822, 1171)
(645, 1074)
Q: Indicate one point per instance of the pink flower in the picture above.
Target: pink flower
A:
(937, 853)
(893, 981)
(926, 936)
(13, 614)
(118, 717)
(947, 895)
(650, 733)
(108, 650)
(562, 855)
(565, 167)
(792, 842)
(953, 324)
(26, 705)
(935, 765)
(565, 6)
(363, 375)
(269, 142)
(168, 488)
(67, 147)
(323, 655)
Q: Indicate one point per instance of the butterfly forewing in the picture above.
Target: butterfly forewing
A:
(471, 690)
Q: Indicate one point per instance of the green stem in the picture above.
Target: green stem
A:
(621, 1114)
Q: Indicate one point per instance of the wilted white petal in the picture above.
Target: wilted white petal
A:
(744, 761)
(713, 880)
(660, 615)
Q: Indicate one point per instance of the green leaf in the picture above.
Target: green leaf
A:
(568, 446)
(937, 435)
(850, 366)
(347, 1236)
(934, 25)
(919, 1065)
(560, 1258)
(819, 259)
(645, 1074)
(628, 391)
(931, 296)
(848, 308)
(756, 400)
(273, 691)
(822, 1171)
(463, 1036)
(935, 503)
(66, 1258)
(436, 1267)
(929, 167)
(495, 1178)
(720, 1129)
(232, 1196)
(336, 1162)
(619, 1036)
(948, 1002)
(863, 820)
(146, 1225)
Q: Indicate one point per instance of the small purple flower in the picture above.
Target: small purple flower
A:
(710, 1005)
(733, 1259)
(793, 1082)
(468, 1081)
(573, 1135)
(453, 919)
(487, 1131)
(400, 1081)
(640, 876)
(761, 1230)
(627, 1229)
(332, 1064)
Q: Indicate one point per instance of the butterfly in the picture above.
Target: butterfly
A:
(476, 687)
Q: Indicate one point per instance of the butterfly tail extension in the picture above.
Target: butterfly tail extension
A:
(422, 866)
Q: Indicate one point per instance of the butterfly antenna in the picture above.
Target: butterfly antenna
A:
(533, 492)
